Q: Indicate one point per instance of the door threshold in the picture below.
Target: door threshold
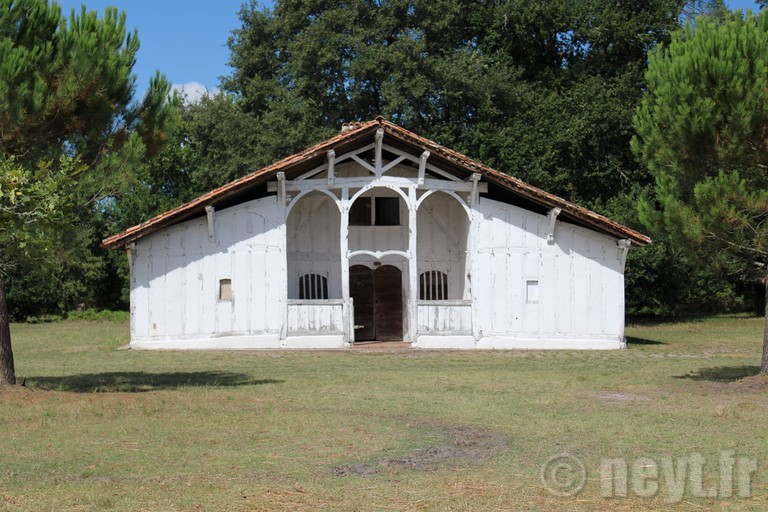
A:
(386, 345)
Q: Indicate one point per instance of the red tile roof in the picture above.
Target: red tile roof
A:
(358, 131)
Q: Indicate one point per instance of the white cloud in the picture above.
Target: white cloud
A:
(193, 91)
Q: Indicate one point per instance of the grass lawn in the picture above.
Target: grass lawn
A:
(98, 428)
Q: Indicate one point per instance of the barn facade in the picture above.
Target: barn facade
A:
(377, 234)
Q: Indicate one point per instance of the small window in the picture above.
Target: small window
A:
(532, 291)
(360, 213)
(387, 211)
(433, 285)
(225, 289)
(313, 286)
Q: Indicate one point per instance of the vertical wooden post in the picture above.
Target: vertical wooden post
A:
(413, 266)
(422, 167)
(331, 160)
(344, 252)
(471, 265)
(209, 212)
(379, 142)
(283, 206)
(474, 196)
(281, 194)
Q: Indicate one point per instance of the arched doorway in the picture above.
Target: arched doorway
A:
(378, 302)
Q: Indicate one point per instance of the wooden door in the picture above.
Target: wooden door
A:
(362, 292)
(388, 310)
(378, 297)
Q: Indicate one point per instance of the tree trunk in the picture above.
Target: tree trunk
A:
(764, 362)
(7, 371)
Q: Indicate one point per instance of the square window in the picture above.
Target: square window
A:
(387, 211)
(360, 213)
(532, 291)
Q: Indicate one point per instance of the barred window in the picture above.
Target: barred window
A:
(433, 285)
(313, 286)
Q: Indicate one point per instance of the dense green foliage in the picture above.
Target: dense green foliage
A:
(702, 131)
(545, 92)
(71, 134)
(702, 134)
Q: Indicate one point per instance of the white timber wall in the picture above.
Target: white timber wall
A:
(176, 275)
(508, 286)
(533, 294)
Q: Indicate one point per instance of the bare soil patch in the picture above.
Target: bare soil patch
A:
(754, 383)
(462, 443)
(621, 397)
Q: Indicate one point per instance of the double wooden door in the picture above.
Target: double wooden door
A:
(378, 300)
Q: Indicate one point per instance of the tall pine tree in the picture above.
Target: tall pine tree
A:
(66, 106)
(703, 134)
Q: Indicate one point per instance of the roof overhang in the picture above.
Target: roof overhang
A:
(359, 135)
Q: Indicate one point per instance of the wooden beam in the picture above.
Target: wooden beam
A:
(384, 181)
(423, 166)
(379, 254)
(624, 246)
(309, 174)
(474, 195)
(391, 164)
(209, 212)
(331, 158)
(416, 160)
(281, 190)
(349, 154)
(552, 216)
(379, 138)
(365, 164)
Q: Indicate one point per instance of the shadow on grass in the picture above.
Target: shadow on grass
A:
(135, 382)
(722, 373)
(643, 341)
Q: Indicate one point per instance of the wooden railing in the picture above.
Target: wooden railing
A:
(319, 317)
(445, 317)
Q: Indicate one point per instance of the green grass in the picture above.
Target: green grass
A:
(98, 428)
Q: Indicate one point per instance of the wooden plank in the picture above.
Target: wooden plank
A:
(388, 309)
(362, 292)
(444, 319)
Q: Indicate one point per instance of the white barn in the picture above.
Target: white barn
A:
(377, 234)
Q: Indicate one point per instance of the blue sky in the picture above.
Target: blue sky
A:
(186, 39)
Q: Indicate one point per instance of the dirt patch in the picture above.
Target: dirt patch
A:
(754, 383)
(353, 470)
(462, 443)
(621, 397)
(22, 394)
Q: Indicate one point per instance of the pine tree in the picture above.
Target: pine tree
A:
(66, 106)
(703, 133)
